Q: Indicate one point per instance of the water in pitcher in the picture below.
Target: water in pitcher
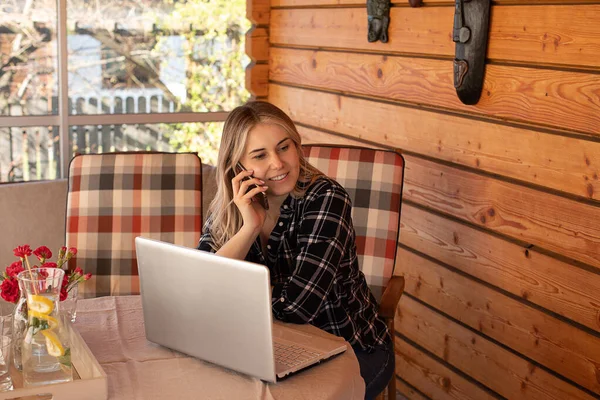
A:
(46, 352)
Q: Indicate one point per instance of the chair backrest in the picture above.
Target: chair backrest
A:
(114, 197)
(373, 179)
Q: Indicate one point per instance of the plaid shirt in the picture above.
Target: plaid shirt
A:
(314, 269)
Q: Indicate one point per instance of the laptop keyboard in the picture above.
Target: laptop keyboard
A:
(292, 355)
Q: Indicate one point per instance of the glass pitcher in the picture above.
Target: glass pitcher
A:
(46, 356)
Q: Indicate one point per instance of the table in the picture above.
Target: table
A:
(113, 328)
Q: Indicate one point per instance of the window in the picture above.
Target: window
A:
(134, 75)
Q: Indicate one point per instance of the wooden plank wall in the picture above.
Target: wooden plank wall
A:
(257, 48)
(500, 236)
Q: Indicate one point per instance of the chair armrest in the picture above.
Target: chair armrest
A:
(391, 297)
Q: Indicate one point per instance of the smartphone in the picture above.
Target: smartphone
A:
(261, 198)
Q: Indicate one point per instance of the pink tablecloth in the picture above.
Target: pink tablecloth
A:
(113, 328)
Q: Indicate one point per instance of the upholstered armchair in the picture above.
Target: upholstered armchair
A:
(114, 197)
(373, 179)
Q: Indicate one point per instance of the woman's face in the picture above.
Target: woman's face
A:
(272, 155)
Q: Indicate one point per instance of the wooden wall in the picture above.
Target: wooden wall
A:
(500, 236)
(257, 48)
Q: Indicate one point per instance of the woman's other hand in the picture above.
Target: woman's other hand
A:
(253, 214)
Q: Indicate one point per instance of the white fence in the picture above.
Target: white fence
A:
(33, 153)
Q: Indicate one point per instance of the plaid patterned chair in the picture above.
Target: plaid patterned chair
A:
(373, 179)
(114, 197)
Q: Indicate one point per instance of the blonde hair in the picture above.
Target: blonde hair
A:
(226, 219)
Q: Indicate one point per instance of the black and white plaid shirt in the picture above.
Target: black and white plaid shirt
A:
(314, 268)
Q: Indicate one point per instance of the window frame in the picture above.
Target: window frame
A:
(63, 120)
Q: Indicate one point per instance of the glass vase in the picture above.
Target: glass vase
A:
(68, 307)
(7, 309)
(46, 355)
(19, 327)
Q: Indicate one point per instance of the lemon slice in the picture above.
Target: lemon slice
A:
(52, 322)
(40, 304)
(53, 345)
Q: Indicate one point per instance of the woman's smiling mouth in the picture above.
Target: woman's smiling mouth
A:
(279, 177)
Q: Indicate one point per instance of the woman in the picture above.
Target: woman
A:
(305, 237)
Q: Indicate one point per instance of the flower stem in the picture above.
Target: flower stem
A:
(30, 274)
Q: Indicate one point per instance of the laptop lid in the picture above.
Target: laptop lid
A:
(211, 307)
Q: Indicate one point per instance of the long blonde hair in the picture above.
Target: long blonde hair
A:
(225, 218)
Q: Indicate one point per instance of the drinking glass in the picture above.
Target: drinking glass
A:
(46, 354)
(6, 316)
(13, 321)
(5, 350)
(68, 307)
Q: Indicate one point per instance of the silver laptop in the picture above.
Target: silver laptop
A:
(219, 310)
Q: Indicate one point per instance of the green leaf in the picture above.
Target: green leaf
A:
(66, 358)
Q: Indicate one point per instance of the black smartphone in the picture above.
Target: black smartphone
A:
(261, 198)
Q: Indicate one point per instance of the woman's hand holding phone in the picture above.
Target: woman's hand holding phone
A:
(245, 187)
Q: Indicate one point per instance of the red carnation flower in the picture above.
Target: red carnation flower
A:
(42, 253)
(40, 272)
(73, 250)
(49, 265)
(65, 282)
(22, 251)
(9, 290)
(78, 271)
(63, 288)
(87, 277)
(13, 269)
